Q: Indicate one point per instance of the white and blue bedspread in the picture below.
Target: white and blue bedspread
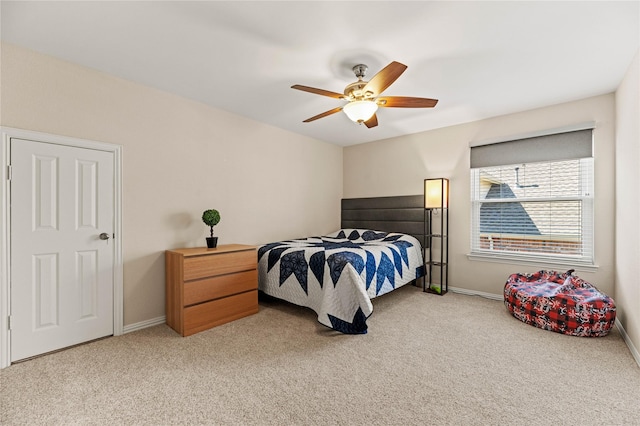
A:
(337, 275)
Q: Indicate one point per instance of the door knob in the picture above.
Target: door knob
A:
(104, 236)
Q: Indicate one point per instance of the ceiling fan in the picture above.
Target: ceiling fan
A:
(364, 96)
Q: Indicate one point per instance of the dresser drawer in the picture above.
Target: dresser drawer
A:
(196, 267)
(224, 285)
(210, 314)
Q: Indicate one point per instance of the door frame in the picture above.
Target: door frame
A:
(7, 133)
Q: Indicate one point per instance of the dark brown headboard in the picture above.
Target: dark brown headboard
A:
(403, 213)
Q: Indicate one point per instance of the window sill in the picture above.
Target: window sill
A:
(556, 264)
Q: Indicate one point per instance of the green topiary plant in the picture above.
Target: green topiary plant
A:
(211, 218)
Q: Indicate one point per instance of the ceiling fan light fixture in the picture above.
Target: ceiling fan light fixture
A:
(360, 111)
(363, 97)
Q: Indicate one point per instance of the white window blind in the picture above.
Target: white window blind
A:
(539, 209)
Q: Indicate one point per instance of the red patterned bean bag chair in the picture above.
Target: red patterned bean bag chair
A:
(559, 302)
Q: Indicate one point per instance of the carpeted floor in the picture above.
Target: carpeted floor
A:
(453, 360)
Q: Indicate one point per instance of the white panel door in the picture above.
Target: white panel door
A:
(62, 200)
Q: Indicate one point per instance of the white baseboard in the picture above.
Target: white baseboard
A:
(634, 352)
(477, 293)
(144, 324)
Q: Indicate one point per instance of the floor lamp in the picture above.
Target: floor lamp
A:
(436, 204)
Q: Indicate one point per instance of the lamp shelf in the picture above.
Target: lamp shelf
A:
(440, 293)
(436, 206)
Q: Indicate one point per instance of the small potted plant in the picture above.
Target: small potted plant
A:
(211, 218)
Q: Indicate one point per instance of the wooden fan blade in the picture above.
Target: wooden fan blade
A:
(384, 78)
(318, 91)
(372, 122)
(324, 114)
(405, 102)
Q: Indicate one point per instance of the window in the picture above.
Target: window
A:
(538, 210)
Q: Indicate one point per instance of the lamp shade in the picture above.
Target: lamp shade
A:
(360, 111)
(436, 193)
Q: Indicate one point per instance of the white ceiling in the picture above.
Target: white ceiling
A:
(480, 59)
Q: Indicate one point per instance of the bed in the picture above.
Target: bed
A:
(338, 274)
(378, 249)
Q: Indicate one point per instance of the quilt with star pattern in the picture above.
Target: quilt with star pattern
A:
(337, 275)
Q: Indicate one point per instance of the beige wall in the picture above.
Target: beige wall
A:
(628, 202)
(398, 166)
(179, 158)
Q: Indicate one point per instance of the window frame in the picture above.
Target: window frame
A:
(586, 261)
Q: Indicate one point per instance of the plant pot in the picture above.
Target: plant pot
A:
(212, 242)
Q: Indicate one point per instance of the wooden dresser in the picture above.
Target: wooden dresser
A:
(208, 287)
